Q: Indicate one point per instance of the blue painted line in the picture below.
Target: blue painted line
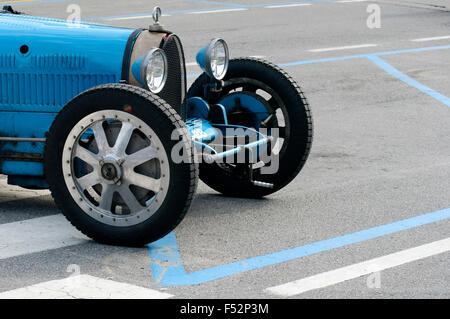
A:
(350, 57)
(165, 258)
(375, 58)
(178, 276)
(367, 55)
(408, 80)
(341, 58)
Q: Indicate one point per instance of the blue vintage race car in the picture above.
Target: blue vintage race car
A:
(102, 117)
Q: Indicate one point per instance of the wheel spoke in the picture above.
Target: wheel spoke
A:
(140, 157)
(88, 180)
(129, 199)
(86, 156)
(107, 197)
(123, 138)
(100, 138)
(145, 182)
(270, 121)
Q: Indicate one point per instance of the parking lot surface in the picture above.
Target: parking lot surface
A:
(368, 216)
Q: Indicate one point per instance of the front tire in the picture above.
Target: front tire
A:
(109, 167)
(292, 116)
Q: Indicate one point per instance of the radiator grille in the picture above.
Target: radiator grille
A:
(59, 61)
(46, 89)
(174, 92)
(7, 60)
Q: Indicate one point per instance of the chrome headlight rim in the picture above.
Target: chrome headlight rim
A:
(144, 68)
(208, 53)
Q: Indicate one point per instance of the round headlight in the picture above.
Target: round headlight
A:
(215, 59)
(154, 70)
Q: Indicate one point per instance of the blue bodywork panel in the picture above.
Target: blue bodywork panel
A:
(44, 63)
(247, 102)
(62, 60)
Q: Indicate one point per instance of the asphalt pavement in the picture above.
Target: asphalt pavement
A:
(369, 214)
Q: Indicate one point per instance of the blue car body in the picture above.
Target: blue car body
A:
(44, 63)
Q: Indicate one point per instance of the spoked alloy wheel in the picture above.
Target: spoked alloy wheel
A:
(116, 167)
(109, 167)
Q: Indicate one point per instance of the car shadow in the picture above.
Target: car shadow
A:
(218, 204)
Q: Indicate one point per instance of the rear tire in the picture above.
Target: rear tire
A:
(128, 190)
(255, 75)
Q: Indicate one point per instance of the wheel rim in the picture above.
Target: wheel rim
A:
(115, 168)
(278, 119)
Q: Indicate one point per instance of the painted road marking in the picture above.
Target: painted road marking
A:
(191, 64)
(348, 47)
(11, 193)
(365, 55)
(379, 62)
(136, 17)
(408, 80)
(168, 269)
(83, 287)
(350, 1)
(431, 39)
(36, 235)
(18, 2)
(288, 5)
(361, 269)
(216, 11)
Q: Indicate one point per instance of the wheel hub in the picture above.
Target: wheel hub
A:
(111, 170)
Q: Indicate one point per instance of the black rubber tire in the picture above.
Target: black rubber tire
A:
(301, 130)
(163, 119)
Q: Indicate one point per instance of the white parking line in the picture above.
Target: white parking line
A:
(83, 287)
(357, 270)
(136, 17)
(348, 1)
(288, 5)
(344, 48)
(432, 39)
(191, 63)
(36, 235)
(217, 11)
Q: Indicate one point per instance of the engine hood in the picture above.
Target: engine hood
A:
(58, 54)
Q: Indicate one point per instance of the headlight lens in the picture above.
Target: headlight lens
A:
(154, 70)
(214, 59)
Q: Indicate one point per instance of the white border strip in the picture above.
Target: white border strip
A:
(288, 5)
(136, 17)
(36, 235)
(445, 37)
(344, 48)
(217, 11)
(83, 287)
(357, 270)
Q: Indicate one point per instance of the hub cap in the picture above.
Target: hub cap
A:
(116, 168)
